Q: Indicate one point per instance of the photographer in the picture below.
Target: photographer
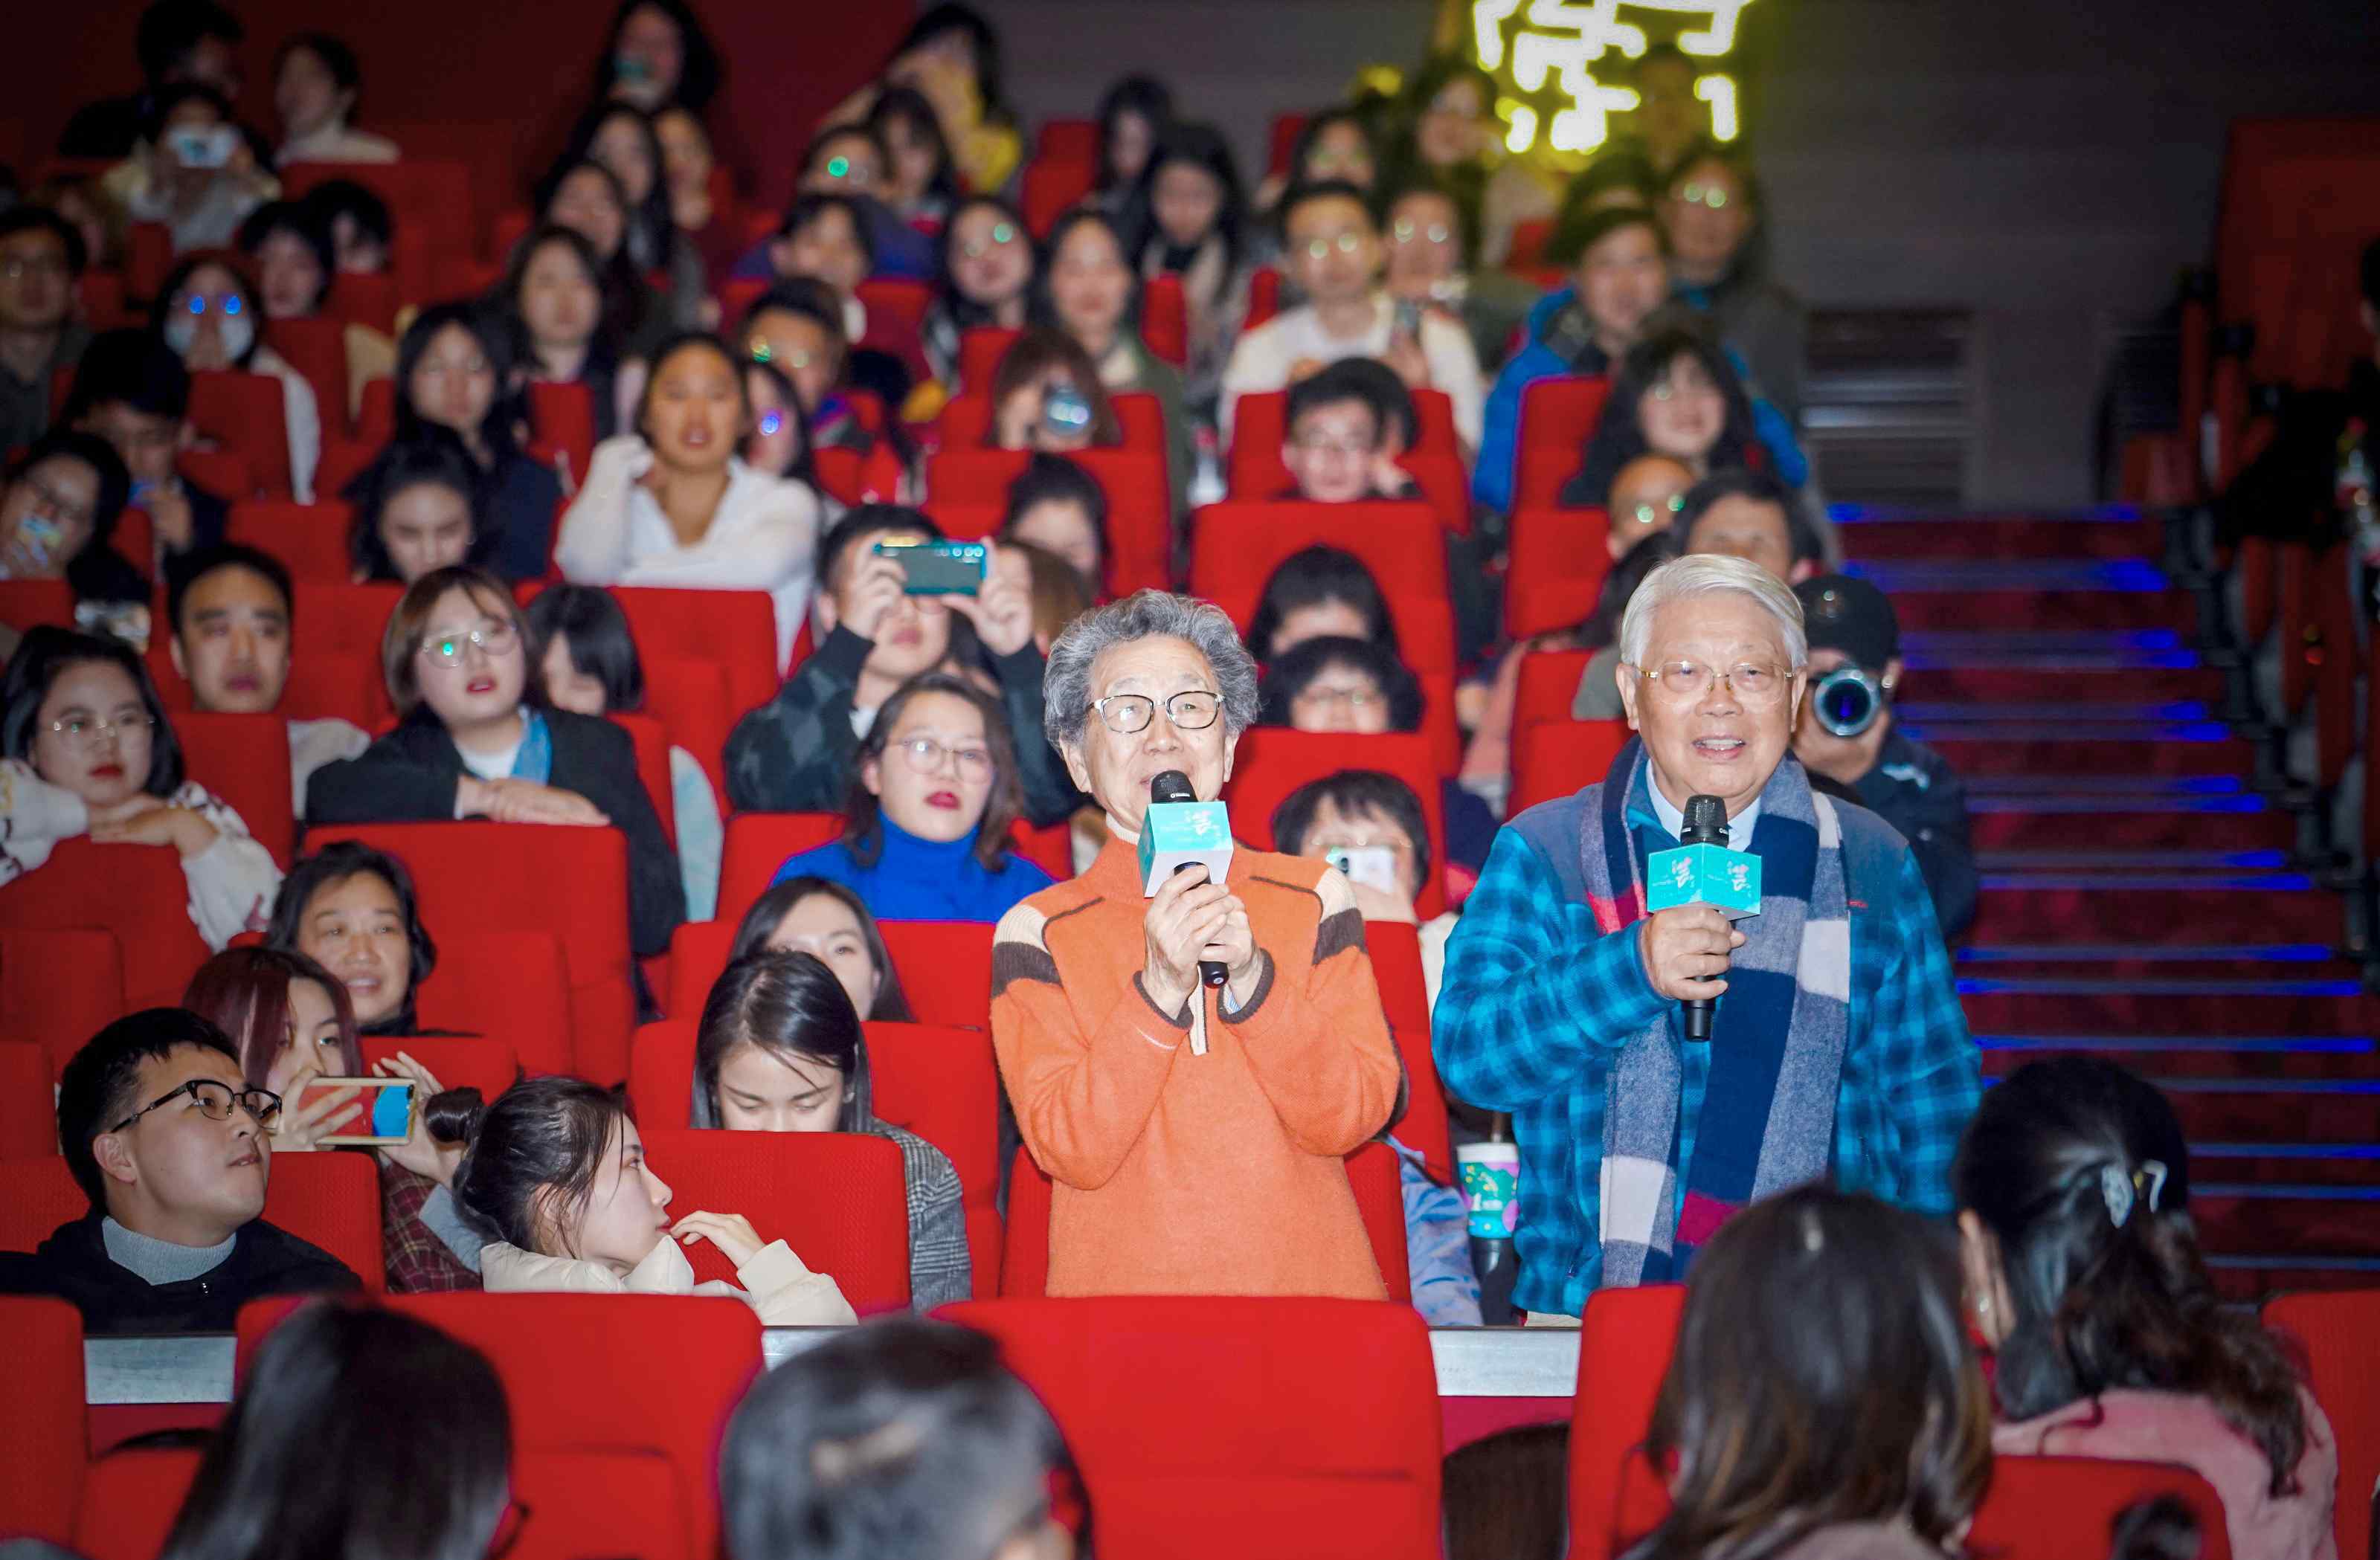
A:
(1849, 741)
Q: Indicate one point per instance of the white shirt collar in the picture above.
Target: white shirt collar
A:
(1738, 827)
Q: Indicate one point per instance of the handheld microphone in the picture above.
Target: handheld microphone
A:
(1180, 831)
(1701, 870)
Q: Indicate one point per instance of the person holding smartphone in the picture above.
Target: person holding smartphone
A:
(1046, 395)
(193, 170)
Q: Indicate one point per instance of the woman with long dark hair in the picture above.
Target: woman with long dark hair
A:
(58, 510)
(986, 279)
(353, 910)
(459, 367)
(621, 138)
(1188, 218)
(553, 291)
(832, 923)
(1675, 394)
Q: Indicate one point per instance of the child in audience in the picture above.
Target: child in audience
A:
(1046, 394)
(1132, 114)
(712, 227)
(474, 739)
(1054, 505)
(987, 277)
(919, 183)
(290, 1020)
(1676, 395)
(207, 312)
(233, 617)
(352, 910)
(1334, 254)
(553, 292)
(1090, 290)
(297, 1467)
(172, 1147)
(1314, 591)
(290, 245)
(554, 1169)
(57, 521)
(780, 1049)
(587, 662)
(908, 1440)
(315, 82)
(1334, 684)
(415, 509)
(457, 368)
(134, 391)
(89, 751)
(932, 797)
(1192, 222)
(362, 232)
(2084, 1278)
(670, 505)
(1339, 446)
(830, 922)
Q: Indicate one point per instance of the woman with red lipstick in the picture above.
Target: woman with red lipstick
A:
(476, 739)
(930, 806)
(674, 504)
(85, 748)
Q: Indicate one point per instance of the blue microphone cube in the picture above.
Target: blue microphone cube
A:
(1176, 834)
(1713, 875)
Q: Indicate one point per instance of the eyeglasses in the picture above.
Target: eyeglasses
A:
(88, 731)
(445, 651)
(214, 1100)
(925, 755)
(1408, 231)
(1319, 696)
(1192, 709)
(17, 268)
(1706, 195)
(1319, 248)
(763, 353)
(1669, 387)
(1002, 234)
(1316, 443)
(1654, 514)
(1752, 682)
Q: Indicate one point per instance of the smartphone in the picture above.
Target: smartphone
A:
(1066, 413)
(941, 568)
(387, 1118)
(1408, 319)
(42, 536)
(1375, 866)
(209, 148)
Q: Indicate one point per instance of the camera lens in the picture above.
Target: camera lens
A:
(1845, 700)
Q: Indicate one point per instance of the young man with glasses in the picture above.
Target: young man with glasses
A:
(174, 1149)
(1343, 434)
(42, 257)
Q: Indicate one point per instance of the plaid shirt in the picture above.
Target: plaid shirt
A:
(418, 1263)
(1537, 1004)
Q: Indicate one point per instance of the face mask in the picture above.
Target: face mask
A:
(238, 335)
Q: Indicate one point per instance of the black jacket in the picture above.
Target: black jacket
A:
(797, 753)
(410, 776)
(74, 1265)
(1914, 789)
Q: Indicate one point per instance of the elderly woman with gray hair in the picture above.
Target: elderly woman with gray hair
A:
(1838, 1048)
(1195, 1133)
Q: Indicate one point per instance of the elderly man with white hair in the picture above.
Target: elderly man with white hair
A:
(1837, 1047)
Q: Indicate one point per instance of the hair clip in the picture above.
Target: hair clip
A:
(2154, 1172)
(2116, 1191)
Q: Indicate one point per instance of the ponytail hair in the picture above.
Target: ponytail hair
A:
(533, 1155)
(2081, 1171)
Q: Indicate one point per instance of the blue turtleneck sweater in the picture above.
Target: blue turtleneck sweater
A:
(918, 879)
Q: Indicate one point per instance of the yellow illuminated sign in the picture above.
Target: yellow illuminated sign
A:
(1559, 42)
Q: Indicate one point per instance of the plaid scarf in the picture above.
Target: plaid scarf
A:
(1777, 1040)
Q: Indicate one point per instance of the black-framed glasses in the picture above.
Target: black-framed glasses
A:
(1192, 709)
(215, 1100)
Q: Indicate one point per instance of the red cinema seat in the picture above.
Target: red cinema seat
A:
(101, 294)
(25, 603)
(1548, 685)
(945, 967)
(364, 299)
(1272, 761)
(1555, 758)
(1395, 949)
(330, 1198)
(317, 348)
(836, 1198)
(219, 472)
(756, 844)
(572, 883)
(345, 618)
(430, 200)
(898, 297)
(148, 257)
(42, 1435)
(343, 460)
(652, 748)
(310, 539)
(1067, 140)
(690, 698)
(58, 988)
(1549, 546)
(135, 892)
(1282, 144)
(2064, 1508)
(1260, 427)
(376, 413)
(1051, 189)
(243, 413)
(509, 985)
(1261, 1428)
(1165, 318)
(738, 629)
(1557, 416)
(966, 419)
(563, 415)
(2340, 1334)
(457, 1061)
(324, 682)
(1264, 296)
(1140, 526)
(29, 1127)
(980, 350)
(244, 759)
(842, 474)
(129, 1500)
(1625, 1339)
(578, 1371)
(1239, 543)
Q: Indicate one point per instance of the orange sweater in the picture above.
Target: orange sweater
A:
(1186, 1173)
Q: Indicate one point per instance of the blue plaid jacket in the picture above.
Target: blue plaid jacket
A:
(1537, 1004)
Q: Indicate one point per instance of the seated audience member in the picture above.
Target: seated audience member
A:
(778, 441)
(474, 739)
(587, 198)
(1339, 448)
(621, 138)
(1334, 254)
(853, 162)
(553, 293)
(1751, 515)
(457, 368)
(57, 521)
(798, 752)
(656, 54)
(1433, 240)
(289, 1020)
(1090, 291)
(795, 328)
(134, 391)
(1193, 222)
(1801, 1081)
(554, 1173)
(1059, 595)
(177, 42)
(712, 228)
(1371, 825)
(932, 796)
(1046, 394)
(1335, 147)
(290, 245)
(1853, 630)
(415, 509)
(76, 200)
(908, 1440)
(1133, 114)
(1675, 394)
(1649, 494)
(1333, 684)
(1619, 278)
(207, 312)
(1316, 591)
(1822, 1399)
(42, 260)
(587, 663)
(985, 280)
(193, 172)
(234, 622)
(1054, 505)
(1712, 214)
(2085, 1280)
(919, 183)
(363, 234)
(825, 238)
(88, 752)
(432, 1460)
(671, 504)
(315, 82)
(173, 1148)
(352, 910)
(1666, 126)
(832, 923)
(1132, 1078)
(780, 1049)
